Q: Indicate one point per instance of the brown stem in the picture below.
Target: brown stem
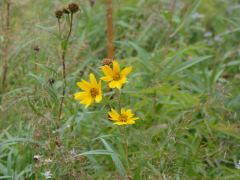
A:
(64, 51)
(70, 30)
(64, 86)
(59, 28)
(110, 46)
(5, 56)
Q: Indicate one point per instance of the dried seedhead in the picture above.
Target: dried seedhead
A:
(107, 61)
(36, 48)
(92, 2)
(59, 14)
(73, 7)
(51, 81)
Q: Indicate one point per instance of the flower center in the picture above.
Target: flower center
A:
(123, 118)
(116, 77)
(94, 92)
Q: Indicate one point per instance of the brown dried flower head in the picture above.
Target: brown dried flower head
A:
(51, 81)
(36, 48)
(73, 7)
(66, 10)
(107, 61)
(92, 2)
(59, 14)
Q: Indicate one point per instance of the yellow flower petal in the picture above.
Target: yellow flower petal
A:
(116, 67)
(80, 95)
(84, 85)
(87, 101)
(107, 70)
(123, 80)
(100, 87)
(120, 123)
(93, 79)
(126, 71)
(129, 113)
(98, 98)
(130, 122)
(123, 111)
(133, 119)
(107, 78)
(115, 84)
(113, 115)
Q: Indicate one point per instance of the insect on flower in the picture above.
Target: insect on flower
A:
(125, 117)
(115, 76)
(92, 91)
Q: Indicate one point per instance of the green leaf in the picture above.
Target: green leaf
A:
(115, 158)
(190, 63)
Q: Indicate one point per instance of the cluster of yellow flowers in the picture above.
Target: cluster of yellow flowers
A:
(92, 91)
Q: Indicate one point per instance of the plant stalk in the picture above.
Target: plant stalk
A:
(6, 47)
(110, 45)
(63, 57)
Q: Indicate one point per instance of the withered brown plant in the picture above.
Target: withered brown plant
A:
(6, 29)
(71, 9)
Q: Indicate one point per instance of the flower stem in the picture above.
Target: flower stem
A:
(125, 141)
(119, 99)
(64, 51)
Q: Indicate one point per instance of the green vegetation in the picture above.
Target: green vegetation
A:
(184, 87)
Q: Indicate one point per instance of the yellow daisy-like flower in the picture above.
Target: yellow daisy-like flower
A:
(114, 75)
(92, 91)
(124, 118)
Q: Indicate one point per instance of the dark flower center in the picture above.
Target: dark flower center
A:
(123, 118)
(94, 92)
(116, 77)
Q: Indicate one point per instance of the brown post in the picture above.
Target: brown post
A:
(110, 46)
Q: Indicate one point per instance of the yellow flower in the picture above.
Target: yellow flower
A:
(115, 76)
(92, 91)
(124, 118)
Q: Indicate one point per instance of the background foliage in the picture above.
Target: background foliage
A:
(184, 87)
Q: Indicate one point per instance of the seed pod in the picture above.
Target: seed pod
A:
(59, 14)
(73, 7)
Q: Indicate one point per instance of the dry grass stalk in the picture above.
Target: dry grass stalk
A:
(6, 45)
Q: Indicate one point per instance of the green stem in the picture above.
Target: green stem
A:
(126, 147)
(119, 100)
